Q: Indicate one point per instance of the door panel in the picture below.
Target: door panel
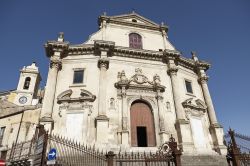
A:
(141, 116)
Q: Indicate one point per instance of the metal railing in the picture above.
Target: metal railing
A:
(237, 154)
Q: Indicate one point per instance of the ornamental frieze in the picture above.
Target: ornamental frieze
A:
(139, 81)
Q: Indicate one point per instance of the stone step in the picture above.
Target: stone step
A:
(204, 160)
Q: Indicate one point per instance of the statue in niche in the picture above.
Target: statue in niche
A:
(112, 103)
(168, 106)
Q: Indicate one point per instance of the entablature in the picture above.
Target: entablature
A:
(162, 56)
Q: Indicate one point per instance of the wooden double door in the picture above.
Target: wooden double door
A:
(142, 125)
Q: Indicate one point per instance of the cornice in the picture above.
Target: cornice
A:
(82, 49)
(56, 46)
(162, 56)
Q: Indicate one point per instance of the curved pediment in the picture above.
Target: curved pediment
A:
(65, 95)
(83, 96)
(194, 104)
(87, 96)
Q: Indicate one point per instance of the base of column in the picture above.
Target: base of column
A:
(218, 138)
(48, 123)
(125, 139)
(164, 137)
(184, 135)
(102, 126)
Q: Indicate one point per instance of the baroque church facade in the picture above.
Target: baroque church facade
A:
(126, 88)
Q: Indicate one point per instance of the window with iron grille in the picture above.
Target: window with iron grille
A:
(2, 129)
(135, 41)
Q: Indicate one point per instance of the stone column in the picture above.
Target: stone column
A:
(102, 120)
(55, 50)
(104, 49)
(103, 65)
(208, 100)
(182, 125)
(48, 103)
(215, 128)
(172, 71)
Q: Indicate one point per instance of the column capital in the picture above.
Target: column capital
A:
(103, 63)
(55, 62)
(203, 79)
(172, 70)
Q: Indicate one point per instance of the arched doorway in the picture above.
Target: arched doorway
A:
(142, 125)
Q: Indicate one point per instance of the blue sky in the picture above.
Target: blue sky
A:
(218, 30)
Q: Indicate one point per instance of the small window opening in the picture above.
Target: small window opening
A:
(142, 136)
(26, 83)
(135, 41)
(2, 129)
(188, 86)
(134, 20)
(78, 77)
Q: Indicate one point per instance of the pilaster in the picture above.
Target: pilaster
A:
(163, 132)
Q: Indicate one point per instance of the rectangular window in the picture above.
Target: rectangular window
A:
(189, 86)
(78, 76)
(2, 129)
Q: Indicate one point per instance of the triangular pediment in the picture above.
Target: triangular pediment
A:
(135, 18)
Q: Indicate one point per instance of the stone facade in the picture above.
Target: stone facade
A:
(115, 75)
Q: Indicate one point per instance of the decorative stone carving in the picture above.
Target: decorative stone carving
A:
(157, 79)
(103, 63)
(139, 78)
(173, 70)
(197, 104)
(55, 62)
(112, 103)
(65, 95)
(168, 108)
(139, 81)
(203, 79)
(87, 96)
(84, 96)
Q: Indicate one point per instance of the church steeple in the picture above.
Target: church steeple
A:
(28, 85)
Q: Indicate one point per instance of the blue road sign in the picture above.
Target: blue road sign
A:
(52, 154)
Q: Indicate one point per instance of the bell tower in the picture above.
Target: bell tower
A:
(26, 93)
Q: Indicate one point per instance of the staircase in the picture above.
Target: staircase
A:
(203, 160)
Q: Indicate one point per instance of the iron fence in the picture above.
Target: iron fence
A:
(238, 152)
(72, 153)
